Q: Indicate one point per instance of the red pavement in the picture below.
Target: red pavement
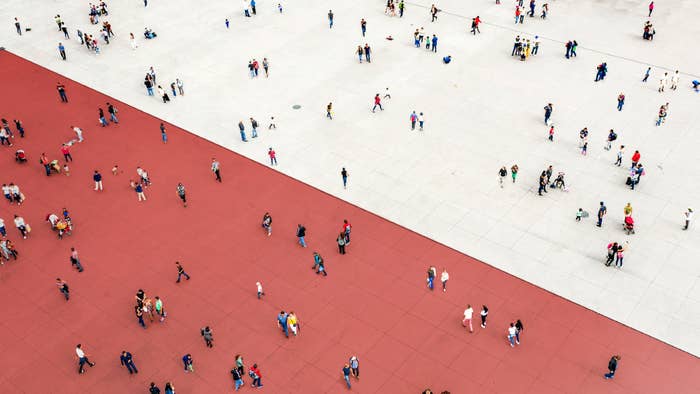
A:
(373, 304)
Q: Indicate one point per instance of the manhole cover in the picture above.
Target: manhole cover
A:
(296, 106)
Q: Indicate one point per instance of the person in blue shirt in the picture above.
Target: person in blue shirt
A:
(282, 323)
(252, 6)
(435, 40)
(447, 59)
(127, 360)
(346, 374)
(62, 50)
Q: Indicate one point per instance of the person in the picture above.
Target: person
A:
(282, 323)
(237, 378)
(347, 228)
(317, 260)
(139, 315)
(18, 27)
(267, 223)
(341, 243)
(519, 328)
(346, 374)
(612, 366)
(330, 18)
(377, 103)
(651, 8)
(159, 309)
(484, 314)
(447, 59)
(216, 169)
(181, 272)
(62, 92)
(355, 367)
(259, 287)
(444, 277)
(62, 51)
(293, 323)
(127, 360)
(22, 226)
(208, 336)
(97, 178)
(511, 334)
(82, 358)
(421, 121)
(547, 112)
(329, 109)
(612, 252)
(688, 216)
(188, 362)
(467, 322)
(62, 287)
(602, 210)
(502, 174)
(74, 261)
(181, 193)
(169, 388)
(620, 101)
(344, 175)
(273, 157)
(254, 373)
(301, 233)
(431, 277)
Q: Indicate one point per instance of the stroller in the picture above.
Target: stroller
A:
(628, 225)
(20, 156)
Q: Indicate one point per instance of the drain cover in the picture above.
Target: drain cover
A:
(296, 106)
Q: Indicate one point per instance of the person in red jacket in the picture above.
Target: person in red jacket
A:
(377, 102)
(635, 158)
(254, 373)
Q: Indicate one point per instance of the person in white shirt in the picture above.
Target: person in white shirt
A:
(688, 217)
(511, 334)
(53, 219)
(3, 232)
(675, 78)
(78, 132)
(82, 358)
(6, 192)
(467, 322)
(16, 195)
(21, 226)
(260, 290)
(444, 277)
(421, 120)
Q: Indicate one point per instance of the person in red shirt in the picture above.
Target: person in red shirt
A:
(635, 158)
(377, 102)
(273, 157)
(65, 149)
(254, 373)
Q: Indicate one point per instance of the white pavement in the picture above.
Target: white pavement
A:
(482, 111)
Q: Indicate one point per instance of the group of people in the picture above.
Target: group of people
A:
(520, 11)
(62, 225)
(391, 8)
(430, 43)
(524, 48)
(177, 87)
(253, 67)
(152, 308)
(649, 31)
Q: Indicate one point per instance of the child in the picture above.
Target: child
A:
(260, 290)
(115, 170)
(66, 170)
(584, 148)
(551, 133)
(579, 214)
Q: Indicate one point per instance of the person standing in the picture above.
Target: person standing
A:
(282, 323)
(514, 172)
(215, 168)
(208, 336)
(675, 78)
(180, 272)
(18, 27)
(543, 183)
(62, 92)
(97, 178)
(330, 18)
(301, 233)
(612, 364)
(688, 216)
(620, 153)
(346, 374)
(341, 243)
(112, 113)
(267, 223)
(468, 314)
(484, 314)
(180, 86)
(241, 128)
(62, 287)
(169, 388)
(651, 8)
(347, 228)
(237, 378)
(181, 193)
(344, 175)
(153, 389)
(139, 315)
(128, 361)
(435, 41)
(414, 119)
(401, 7)
(74, 260)
(62, 51)
(421, 121)
(355, 367)
(363, 26)
(547, 113)
(518, 329)
(159, 309)
(273, 157)
(188, 362)
(139, 192)
(502, 174)
(259, 287)
(431, 277)
(368, 53)
(82, 358)
(602, 211)
(254, 126)
(377, 103)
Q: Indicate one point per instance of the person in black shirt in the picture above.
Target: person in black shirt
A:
(153, 389)
(612, 366)
(127, 360)
(301, 233)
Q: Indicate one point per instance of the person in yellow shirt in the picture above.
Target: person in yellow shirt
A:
(628, 209)
(293, 323)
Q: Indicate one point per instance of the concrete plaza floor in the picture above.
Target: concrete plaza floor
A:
(482, 111)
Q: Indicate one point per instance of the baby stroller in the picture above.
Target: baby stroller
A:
(628, 225)
(559, 182)
(20, 156)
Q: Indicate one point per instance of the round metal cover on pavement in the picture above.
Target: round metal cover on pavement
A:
(296, 106)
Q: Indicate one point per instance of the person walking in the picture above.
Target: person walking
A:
(675, 78)
(159, 309)
(74, 260)
(138, 310)
(431, 277)
(112, 111)
(180, 272)
(259, 287)
(688, 215)
(237, 379)
(182, 194)
(139, 192)
(502, 174)
(18, 27)
(317, 260)
(355, 367)
(484, 314)
(241, 128)
(651, 8)
(301, 233)
(414, 119)
(97, 178)
(341, 243)
(169, 388)
(153, 389)
(127, 360)
(511, 334)
(444, 277)
(346, 375)
(255, 374)
(602, 211)
(254, 126)
(620, 101)
(620, 153)
(468, 314)
(208, 336)
(421, 121)
(188, 362)
(377, 103)
(363, 26)
(514, 171)
(82, 358)
(344, 176)
(62, 287)
(282, 323)
(273, 157)
(548, 112)
(330, 19)
(62, 51)
(612, 364)
(329, 111)
(216, 169)
(267, 223)
(62, 92)
(646, 74)
(518, 330)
